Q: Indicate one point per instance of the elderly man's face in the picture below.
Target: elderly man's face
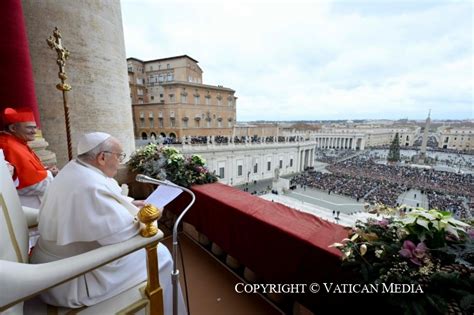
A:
(24, 130)
(110, 160)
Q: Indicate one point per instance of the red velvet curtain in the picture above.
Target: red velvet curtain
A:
(17, 88)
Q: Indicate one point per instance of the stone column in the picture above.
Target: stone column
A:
(97, 70)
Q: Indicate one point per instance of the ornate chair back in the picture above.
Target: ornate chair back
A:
(13, 225)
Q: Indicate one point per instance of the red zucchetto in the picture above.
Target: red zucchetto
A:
(12, 116)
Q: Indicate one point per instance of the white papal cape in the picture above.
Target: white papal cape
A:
(83, 209)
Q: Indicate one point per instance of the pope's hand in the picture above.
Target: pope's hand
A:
(139, 203)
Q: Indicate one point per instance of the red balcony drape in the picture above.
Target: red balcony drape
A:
(280, 244)
(17, 87)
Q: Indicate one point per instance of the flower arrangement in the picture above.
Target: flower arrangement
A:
(429, 250)
(162, 162)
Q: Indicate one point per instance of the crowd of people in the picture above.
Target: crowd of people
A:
(446, 202)
(228, 139)
(351, 186)
(362, 178)
(421, 178)
(332, 156)
(429, 148)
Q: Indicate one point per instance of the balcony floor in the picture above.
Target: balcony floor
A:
(211, 285)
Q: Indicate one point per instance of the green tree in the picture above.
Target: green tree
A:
(394, 152)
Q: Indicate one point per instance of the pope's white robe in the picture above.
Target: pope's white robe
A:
(83, 209)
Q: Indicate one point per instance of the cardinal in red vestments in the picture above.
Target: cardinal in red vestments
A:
(30, 175)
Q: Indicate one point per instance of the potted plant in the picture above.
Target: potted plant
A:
(164, 162)
(430, 251)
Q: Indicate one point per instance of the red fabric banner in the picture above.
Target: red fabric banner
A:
(279, 244)
(17, 88)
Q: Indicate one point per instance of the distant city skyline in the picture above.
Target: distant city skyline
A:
(328, 60)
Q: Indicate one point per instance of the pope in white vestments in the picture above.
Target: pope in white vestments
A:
(84, 209)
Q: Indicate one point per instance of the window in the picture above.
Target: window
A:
(291, 162)
(197, 100)
(184, 99)
(281, 164)
(172, 122)
(208, 101)
(255, 168)
(160, 122)
(196, 123)
(219, 102)
(168, 66)
(142, 123)
(152, 97)
(152, 123)
(269, 166)
(160, 78)
(185, 124)
(221, 172)
(239, 170)
(171, 98)
(229, 124)
(170, 76)
(219, 124)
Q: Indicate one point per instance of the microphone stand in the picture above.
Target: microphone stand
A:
(175, 273)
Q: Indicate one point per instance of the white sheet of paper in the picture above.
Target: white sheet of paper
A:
(162, 196)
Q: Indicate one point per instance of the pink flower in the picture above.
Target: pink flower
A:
(200, 169)
(414, 253)
(383, 223)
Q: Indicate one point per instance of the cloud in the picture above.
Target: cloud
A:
(319, 60)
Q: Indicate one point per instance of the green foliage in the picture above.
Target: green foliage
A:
(394, 152)
(162, 162)
(429, 249)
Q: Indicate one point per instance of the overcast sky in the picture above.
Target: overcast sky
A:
(318, 60)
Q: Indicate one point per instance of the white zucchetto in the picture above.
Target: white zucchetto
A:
(89, 141)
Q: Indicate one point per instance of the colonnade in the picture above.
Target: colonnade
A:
(339, 142)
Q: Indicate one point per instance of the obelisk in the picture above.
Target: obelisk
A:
(425, 139)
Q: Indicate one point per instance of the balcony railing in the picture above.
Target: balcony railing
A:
(272, 242)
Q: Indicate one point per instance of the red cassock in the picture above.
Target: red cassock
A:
(28, 167)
